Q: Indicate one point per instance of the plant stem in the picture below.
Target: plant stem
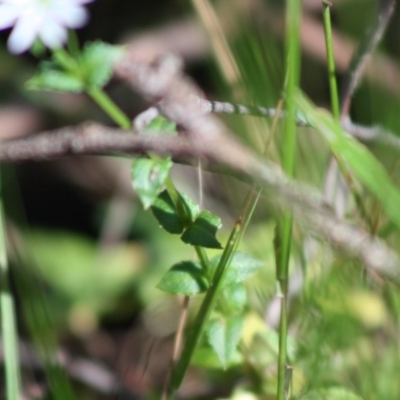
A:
(288, 160)
(285, 233)
(331, 60)
(293, 72)
(205, 310)
(97, 94)
(8, 322)
(203, 258)
(64, 59)
(214, 290)
(101, 98)
(336, 110)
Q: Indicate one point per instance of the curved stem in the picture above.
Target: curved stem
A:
(97, 94)
(101, 98)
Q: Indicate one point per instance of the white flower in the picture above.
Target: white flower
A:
(47, 20)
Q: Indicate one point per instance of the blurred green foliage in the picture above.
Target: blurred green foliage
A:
(343, 320)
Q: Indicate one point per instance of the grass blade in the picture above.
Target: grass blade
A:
(288, 162)
(365, 167)
(8, 320)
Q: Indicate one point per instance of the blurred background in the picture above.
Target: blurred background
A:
(86, 258)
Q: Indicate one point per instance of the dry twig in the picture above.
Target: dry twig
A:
(372, 37)
(204, 137)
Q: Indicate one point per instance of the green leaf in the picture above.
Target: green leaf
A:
(166, 214)
(97, 61)
(161, 125)
(148, 178)
(79, 275)
(55, 80)
(242, 266)
(202, 231)
(192, 209)
(234, 298)
(65, 74)
(361, 162)
(223, 336)
(185, 278)
(205, 357)
(333, 393)
(266, 346)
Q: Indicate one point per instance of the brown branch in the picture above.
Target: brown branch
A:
(179, 102)
(306, 203)
(91, 138)
(207, 138)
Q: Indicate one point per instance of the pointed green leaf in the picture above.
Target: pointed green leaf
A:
(203, 230)
(192, 209)
(55, 80)
(205, 357)
(242, 265)
(234, 299)
(166, 214)
(361, 162)
(161, 125)
(148, 178)
(333, 393)
(97, 61)
(184, 278)
(223, 336)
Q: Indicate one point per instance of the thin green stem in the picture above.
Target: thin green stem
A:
(214, 290)
(288, 161)
(293, 72)
(205, 310)
(73, 44)
(326, 4)
(97, 94)
(101, 98)
(8, 322)
(203, 258)
(64, 59)
(282, 358)
(285, 233)
(331, 60)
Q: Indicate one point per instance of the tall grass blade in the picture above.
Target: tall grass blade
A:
(365, 167)
(288, 159)
(8, 318)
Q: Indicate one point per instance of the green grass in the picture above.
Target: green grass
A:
(336, 336)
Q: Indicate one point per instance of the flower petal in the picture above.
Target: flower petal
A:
(73, 16)
(8, 15)
(47, 19)
(53, 35)
(77, 2)
(23, 35)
